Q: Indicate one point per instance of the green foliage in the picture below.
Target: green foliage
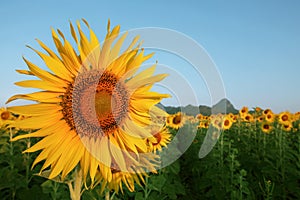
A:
(244, 164)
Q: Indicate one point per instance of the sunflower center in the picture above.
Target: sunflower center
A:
(284, 118)
(226, 122)
(158, 138)
(266, 126)
(103, 104)
(177, 119)
(95, 104)
(5, 115)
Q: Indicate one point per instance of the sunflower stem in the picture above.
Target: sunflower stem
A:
(75, 188)
(107, 195)
(11, 163)
(27, 159)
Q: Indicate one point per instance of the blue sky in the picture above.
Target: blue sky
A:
(254, 44)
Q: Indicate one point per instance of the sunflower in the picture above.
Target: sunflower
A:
(217, 121)
(258, 109)
(177, 120)
(227, 123)
(161, 137)
(266, 111)
(243, 111)
(284, 118)
(233, 117)
(287, 127)
(5, 117)
(93, 107)
(248, 118)
(169, 119)
(260, 118)
(296, 116)
(266, 127)
(270, 117)
(203, 124)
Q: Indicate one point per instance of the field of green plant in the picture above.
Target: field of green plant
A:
(249, 161)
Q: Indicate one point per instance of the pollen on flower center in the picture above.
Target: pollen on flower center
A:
(95, 104)
(177, 119)
(266, 126)
(226, 122)
(284, 118)
(5, 115)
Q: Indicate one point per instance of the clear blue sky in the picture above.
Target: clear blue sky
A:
(255, 44)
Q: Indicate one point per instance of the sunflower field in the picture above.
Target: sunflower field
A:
(257, 156)
(97, 130)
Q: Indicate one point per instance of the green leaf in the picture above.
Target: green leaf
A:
(139, 196)
(156, 182)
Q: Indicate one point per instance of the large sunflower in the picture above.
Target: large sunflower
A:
(93, 109)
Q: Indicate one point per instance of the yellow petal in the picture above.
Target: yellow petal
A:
(46, 142)
(26, 72)
(43, 131)
(44, 96)
(41, 85)
(150, 80)
(55, 66)
(38, 122)
(76, 156)
(117, 154)
(65, 158)
(35, 109)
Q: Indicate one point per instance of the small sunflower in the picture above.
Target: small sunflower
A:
(260, 118)
(177, 120)
(199, 116)
(270, 117)
(217, 121)
(267, 111)
(227, 123)
(284, 118)
(266, 127)
(248, 118)
(258, 109)
(243, 111)
(5, 117)
(161, 137)
(203, 124)
(232, 117)
(296, 116)
(92, 107)
(287, 127)
(169, 119)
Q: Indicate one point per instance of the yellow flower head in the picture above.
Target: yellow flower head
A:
(260, 118)
(266, 127)
(217, 121)
(203, 124)
(5, 117)
(243, 111)
(297, 116)
(248, 118)
(93, 106)
(284, 118)
(287, 127)
(267, 111)
(161, 137)
(258, 109)
(270, 117)
(177, 121)
(227, 123)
